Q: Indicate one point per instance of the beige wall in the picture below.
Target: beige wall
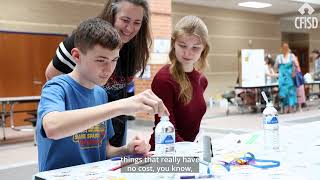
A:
(46, 16)
(315, 39)
(229, 31)
(297, 40)
(62, 16)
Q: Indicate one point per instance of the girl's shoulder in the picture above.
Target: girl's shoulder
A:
(163, 76)
(203, 80)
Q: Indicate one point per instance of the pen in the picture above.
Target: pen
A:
(120, 166)
(117, 158)
(197, 177)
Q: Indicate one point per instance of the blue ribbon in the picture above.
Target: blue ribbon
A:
(249, 159)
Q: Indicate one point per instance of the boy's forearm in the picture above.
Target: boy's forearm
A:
(58, 125)
(116, 151)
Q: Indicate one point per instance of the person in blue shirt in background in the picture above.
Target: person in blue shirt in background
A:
(73, 124)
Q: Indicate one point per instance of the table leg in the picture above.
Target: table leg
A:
(12, 122)
(3, 120)
(258, 100)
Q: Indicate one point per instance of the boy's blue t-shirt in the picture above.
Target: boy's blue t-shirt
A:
(62, 93)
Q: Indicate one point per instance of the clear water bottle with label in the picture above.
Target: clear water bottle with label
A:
(271, 128)
(165, 137)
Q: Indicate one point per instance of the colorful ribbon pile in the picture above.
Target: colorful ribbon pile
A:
(249, 159)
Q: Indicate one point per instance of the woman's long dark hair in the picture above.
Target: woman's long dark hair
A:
(135, 53)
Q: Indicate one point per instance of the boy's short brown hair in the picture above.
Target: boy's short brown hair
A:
(96, 31)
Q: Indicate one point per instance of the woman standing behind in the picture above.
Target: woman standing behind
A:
(181, 85)
(131, 20)
(301, 95)
(287, 91)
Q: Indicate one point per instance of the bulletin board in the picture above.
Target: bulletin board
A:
(251, 67)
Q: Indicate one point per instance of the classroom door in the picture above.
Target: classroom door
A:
(23, 60)
(303, 58)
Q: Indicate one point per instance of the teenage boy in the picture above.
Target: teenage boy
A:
(73, 126)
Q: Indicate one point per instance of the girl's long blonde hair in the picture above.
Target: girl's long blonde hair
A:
(190, 25)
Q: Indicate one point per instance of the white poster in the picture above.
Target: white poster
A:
(252, 67)
(161, 45)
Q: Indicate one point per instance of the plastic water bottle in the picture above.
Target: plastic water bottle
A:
(165, 137)
(271, 128)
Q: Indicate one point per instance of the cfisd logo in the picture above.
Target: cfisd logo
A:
(306, 21)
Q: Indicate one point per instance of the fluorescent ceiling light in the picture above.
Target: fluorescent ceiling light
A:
(254, 4)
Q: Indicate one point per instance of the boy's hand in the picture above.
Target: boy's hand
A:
(138, 146)
(146, 101)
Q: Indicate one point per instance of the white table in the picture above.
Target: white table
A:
(268, 88)
(10, 102)
(311, 84)
(99, 170)
(299, 157)
(271, 85)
